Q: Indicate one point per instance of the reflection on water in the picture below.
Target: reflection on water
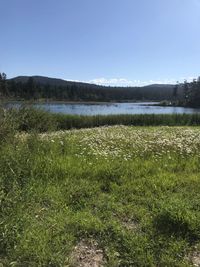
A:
(110, 108)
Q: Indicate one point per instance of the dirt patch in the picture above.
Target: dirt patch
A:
(194, 258)
(87, 254)
(130, 225)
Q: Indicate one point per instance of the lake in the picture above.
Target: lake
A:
(110, 108)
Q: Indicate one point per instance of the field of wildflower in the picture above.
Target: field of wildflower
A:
(106, 196)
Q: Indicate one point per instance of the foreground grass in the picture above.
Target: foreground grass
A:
(134, 190)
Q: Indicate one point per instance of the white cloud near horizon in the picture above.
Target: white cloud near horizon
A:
(126, 82)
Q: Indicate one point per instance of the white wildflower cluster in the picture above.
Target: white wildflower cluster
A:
(127, 142)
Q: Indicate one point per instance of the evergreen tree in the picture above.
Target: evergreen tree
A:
(3, 85)
(175, 90)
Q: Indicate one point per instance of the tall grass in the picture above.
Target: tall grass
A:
(76, 121)
(8, 125)
(142, 212)
(31, 119)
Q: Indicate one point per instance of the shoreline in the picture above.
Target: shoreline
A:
(75, 102)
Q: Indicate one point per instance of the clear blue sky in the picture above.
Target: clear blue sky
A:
(120, 42)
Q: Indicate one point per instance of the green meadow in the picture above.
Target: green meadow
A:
(104, 196)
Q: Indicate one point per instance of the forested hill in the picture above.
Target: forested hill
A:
(50, 81)
(39, 87)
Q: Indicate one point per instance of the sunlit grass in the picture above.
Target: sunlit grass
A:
(135, 190)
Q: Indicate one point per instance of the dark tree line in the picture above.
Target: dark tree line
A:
(32, 89)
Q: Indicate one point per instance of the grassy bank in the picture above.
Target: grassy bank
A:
(127, 196)
(74, 121)
(30, 119)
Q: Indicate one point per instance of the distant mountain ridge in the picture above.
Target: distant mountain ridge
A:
(40, 87)
(48, 80)
(60, 82)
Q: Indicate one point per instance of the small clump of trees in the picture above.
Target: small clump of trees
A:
(192, 93)
(187, 94)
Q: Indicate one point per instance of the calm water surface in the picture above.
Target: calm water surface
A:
(113, 108)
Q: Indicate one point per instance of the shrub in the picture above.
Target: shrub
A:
(31, 119)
